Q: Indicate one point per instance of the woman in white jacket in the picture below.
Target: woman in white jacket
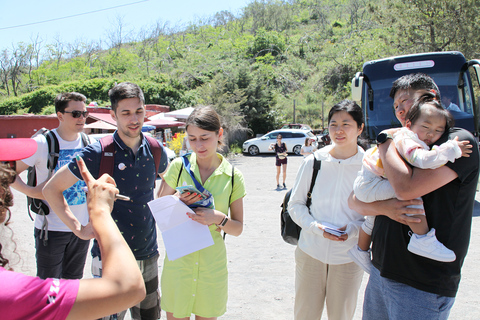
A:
(324, 271)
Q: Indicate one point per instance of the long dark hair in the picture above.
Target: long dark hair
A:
(355, 111)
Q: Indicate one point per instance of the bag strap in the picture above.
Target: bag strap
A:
(107, 161)
(316, 167)
(156, 151)
(53, 151)
(230, 198)
(85, 139)
(179, 174)
(186, 163)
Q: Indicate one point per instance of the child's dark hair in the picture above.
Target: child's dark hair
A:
(355, 111)
(429, 99)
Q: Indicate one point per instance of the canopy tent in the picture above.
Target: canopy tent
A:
(164, 123)
(162, 115)
(147, 127)
(100, 125)
(180, 113)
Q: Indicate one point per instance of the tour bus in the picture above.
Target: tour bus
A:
(450, 71)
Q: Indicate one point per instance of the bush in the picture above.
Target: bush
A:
(177, 142)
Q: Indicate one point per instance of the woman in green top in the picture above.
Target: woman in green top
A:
(198, 283)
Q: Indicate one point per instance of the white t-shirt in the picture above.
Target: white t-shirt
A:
(74, 196)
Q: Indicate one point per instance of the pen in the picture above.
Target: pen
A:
(117, 196)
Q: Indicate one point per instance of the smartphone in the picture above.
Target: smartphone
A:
(335, 232)
(191, 189)
(332, 229)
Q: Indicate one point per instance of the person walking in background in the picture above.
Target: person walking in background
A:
(324, 272)
(425, 288)
(280, 158)
(26, 297)
(307, 148)
(59, 252)
(198, 283)
(135, 171)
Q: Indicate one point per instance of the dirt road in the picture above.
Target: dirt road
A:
(261, 265)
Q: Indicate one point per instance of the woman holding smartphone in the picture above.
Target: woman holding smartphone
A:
(325, 274)
(198, 283)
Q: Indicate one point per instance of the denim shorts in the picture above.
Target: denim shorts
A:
(387, 299)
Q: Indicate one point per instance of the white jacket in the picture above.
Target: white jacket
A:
(329, 204)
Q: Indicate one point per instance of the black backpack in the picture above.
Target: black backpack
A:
(289, 229)
(37, 205)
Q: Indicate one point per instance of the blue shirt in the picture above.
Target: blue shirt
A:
(135, 176)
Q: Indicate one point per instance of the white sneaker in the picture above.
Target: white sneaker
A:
(429, 247)
(360, 257)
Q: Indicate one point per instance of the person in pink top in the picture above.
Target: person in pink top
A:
(27, 297)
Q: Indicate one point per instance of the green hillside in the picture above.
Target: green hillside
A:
(251, 67)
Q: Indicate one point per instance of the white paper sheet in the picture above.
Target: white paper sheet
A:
(181, 235)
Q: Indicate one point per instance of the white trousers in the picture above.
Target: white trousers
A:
(317, 284)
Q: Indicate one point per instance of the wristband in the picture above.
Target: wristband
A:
(223, 223)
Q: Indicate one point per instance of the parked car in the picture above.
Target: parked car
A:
(97, 136)
(293, 138)
(296, 126)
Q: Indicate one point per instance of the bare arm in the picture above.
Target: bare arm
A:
(411, 183)
(121, 285)
(53, 192)
(20, 185)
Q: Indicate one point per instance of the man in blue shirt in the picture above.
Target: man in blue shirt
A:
(135, 174)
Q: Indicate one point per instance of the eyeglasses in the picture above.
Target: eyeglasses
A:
(77, 113)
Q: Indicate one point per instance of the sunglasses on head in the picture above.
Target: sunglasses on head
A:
(77, 113)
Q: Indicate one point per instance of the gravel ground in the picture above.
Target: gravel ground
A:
(261, 265)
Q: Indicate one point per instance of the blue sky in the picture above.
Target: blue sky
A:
(94, 26)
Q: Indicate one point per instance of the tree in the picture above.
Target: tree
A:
(118, 34)
(5, 65)
(420, 25)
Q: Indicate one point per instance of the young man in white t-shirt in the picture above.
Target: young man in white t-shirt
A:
(59, 252)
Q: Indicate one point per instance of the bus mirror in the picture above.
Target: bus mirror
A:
(477, 72)
(357, 87)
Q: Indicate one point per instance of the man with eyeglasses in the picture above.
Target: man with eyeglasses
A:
(59, 252)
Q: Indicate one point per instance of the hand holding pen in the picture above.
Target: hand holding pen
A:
(109, 179)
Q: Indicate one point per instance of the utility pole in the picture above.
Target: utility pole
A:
(294, 111)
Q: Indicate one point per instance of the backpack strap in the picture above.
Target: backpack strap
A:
(316, 167)
(156, 151)
(85, 139)
(107, 160)
(53, 151)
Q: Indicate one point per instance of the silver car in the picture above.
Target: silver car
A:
(293, 138)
